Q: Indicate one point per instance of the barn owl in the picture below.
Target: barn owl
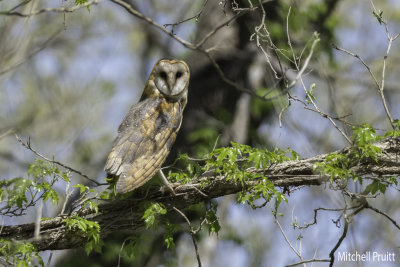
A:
(148, 131)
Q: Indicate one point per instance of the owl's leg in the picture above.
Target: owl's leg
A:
(166, 183)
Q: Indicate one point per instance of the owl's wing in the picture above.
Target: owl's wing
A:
(144, 140)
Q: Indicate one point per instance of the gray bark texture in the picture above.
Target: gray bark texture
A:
(127, 214)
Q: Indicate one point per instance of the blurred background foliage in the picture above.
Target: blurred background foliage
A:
(66, 81)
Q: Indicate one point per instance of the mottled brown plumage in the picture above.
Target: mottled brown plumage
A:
(148, 131)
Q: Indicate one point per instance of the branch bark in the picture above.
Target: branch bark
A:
(127, 214)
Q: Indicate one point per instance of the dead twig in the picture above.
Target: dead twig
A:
(11, 12)
(192, 233)
(28, 146)
(32, 54)
(342, 237)
(196, 17)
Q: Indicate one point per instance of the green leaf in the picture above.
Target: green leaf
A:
(90, 229)
(92, 206)
(372, 187)
(396, 131)
(51, 194)
(82, 2)
(88, 247)
(21, 254)
(310, 94)
(65, 177)
(151, 214)
(82, 188)
(294, 154)
(105, 195)
(378, 16)
(168, 236)
(133, 246)
(212, 219)
(16, 190)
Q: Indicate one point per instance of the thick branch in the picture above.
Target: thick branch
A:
(127, 214)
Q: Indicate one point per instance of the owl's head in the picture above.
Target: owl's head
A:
(171, 78)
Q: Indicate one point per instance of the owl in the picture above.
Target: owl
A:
(148, 131)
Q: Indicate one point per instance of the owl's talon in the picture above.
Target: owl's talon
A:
(167, 185)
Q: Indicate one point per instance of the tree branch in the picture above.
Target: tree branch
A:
(11, 12)
(126, 214)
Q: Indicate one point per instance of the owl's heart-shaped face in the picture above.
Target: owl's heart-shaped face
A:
(171, 78)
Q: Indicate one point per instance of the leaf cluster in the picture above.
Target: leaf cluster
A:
(242, 163)
(152, 216)
(238, 163)
(89, 229)
(20, 193)
(20, 253)
(340, 167)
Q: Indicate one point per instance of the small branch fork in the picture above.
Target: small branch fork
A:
(380, 85)
(301, 70)
(362, 204)
(195, 17)
(342, 237)
(192, 233)
(28, 146)
(297, 252)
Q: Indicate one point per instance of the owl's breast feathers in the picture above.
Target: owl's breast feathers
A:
(144, 140)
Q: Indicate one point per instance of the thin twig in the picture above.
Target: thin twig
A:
(225, 79)
(197, 16)
(299, 76)
(216, 29)
(360, 59)
(307, 261)
(325, 115)
(67, 196)
(20, 5)
(32, 54)
(2, 224)
(120, 252)
(287, 240)
(28, 146)
(192, 233)
(45, 10)
(315, 217)
(6, 133)
(49, 260)
(282, 111)
(380, 87)
(342, 237)
(139, 15)
(385, 215)
(37, 221)
(262, 27)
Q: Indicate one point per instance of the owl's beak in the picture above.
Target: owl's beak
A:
(171, 81)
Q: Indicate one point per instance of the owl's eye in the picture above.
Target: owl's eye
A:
(178, 75)
(163, 75)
